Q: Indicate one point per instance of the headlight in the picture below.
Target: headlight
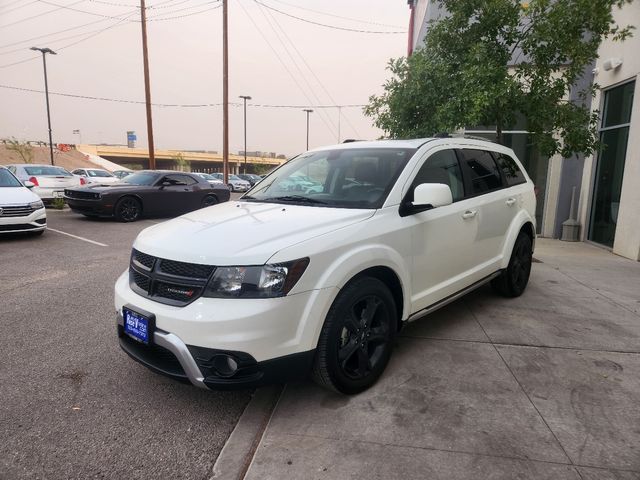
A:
(37, 205)
(266, 281)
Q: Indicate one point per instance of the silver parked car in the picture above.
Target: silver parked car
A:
(236, 184)
(48, 181)
(95, 175)
(209, 178)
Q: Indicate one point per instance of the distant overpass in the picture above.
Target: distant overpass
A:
(138, 158)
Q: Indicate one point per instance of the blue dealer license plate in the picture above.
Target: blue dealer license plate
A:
(136, 326)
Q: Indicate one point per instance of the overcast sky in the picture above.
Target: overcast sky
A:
(322, 66)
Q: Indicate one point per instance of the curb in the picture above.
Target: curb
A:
(237, 454)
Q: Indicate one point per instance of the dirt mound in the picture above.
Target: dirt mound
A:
(70, 160)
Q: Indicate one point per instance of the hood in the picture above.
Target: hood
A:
(107, 188)
(17, 196)
(242, 233)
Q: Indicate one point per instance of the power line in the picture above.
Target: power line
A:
(335, 27)
(322, 86)
(60, 7)
(179, 105)
(337, 16)
(52, 34)
(327, 120)
(282, 62)
(161, 16)
(18, 7)
(68, 7)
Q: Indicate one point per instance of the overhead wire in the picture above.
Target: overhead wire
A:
(16, 8)
(335, 27)
(359, 20)
(180, 105)
(313, 73)
(60, 7)
(326, 119)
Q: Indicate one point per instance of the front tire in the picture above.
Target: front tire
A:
(208, 201)
(128, 209)
(514, 279)
(357, 337)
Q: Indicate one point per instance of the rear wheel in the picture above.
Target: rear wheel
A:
(231, 189)
(357, 337)
(208, 201)
(128, 209)
(514, 279)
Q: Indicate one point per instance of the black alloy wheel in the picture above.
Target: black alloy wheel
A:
(128, 209)
(357, 337)
(208, 201)
(513, 281)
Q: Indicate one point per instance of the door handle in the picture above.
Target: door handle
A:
(469, 214)
(511, 201)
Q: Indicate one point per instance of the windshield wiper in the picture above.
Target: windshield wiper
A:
(295, 198)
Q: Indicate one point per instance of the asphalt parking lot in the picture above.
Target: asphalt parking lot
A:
(73, 404)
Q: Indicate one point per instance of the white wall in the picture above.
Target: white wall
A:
(627, 238)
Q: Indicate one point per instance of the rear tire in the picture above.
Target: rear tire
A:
(357, 337)
(128, 209)
(514, 279)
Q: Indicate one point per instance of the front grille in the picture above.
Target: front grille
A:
(167, 281)
(189, 270)
(155, 356)
(16, 211)
(17, 227)
(143, 259)
(142, 281)
(82, 195)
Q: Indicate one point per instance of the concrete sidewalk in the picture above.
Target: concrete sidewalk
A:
(545, 386)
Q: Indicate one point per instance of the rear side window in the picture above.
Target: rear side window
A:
(512, 173)
(441, 167)
(55, 171)
(484, 175)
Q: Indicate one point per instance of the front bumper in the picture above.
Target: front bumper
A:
(89, 207)
(34, 222)
(272, 340)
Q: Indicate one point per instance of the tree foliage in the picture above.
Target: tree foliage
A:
(490, 60)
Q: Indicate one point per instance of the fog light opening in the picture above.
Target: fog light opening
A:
(224, 365)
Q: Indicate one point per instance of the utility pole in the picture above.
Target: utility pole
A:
(245, 98)
(308, 111)
(225, 92)
(44, 52)
(339, 116)
(147, 87)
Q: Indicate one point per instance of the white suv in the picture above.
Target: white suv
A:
(277, 285)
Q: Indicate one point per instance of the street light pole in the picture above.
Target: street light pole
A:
(225, 92)
(44, 52)
(308, 111)
(245, 98)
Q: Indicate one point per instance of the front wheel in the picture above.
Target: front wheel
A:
(514, 279)
(128, 209)
(357, 337)
(208, 201)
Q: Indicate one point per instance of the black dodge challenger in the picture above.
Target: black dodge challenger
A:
(151, 193)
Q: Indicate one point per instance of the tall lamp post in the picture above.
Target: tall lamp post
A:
(245, 98)
(44, 52)
(308, 111)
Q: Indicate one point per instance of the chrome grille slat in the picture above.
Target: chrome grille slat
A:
(16, 211)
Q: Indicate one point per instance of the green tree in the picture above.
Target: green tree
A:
(181, 162)
(490, 60)
(23, 149)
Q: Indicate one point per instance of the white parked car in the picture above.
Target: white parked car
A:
(95, 176)
(279, 284)
(236, 184)
(21, 210)
(210, 178)
(49, 181)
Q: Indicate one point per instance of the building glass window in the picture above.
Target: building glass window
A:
(614, 136)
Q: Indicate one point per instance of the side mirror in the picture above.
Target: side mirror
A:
(29, 184)
(165, 184)
(432, 194)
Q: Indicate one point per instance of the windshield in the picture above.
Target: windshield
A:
(44, 170)
(141, 178)
(7, 179)
(206, 176)
(99, 173)
(349, 178)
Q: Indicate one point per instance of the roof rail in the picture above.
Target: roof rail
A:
(463, 135)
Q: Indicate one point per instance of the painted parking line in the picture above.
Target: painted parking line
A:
(49, 229)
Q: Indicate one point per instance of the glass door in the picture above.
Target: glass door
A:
(614, 135)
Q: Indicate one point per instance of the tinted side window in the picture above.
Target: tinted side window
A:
(441, 167)
(188, 179)
(510, 169)
(483, 172)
